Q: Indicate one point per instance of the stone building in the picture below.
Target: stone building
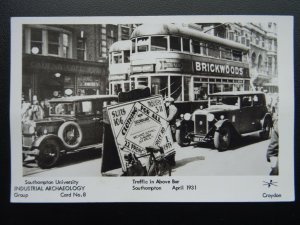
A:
(261, 38)
(72, 59)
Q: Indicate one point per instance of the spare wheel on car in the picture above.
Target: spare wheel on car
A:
(71, 134)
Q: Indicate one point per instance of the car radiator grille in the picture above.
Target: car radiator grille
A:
(201, 124)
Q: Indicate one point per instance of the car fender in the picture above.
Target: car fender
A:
(267, 116)
(221, 123)
(42, 138)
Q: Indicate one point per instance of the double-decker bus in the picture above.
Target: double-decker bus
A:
(119, 67)
(186, 64)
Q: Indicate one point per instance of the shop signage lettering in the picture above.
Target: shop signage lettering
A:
(66, 67)
(139, 124)
(219, 68)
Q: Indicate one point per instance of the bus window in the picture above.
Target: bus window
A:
(132, 83)
(133, 45)
(200, 91)
(237, 55)
(143, 81)
(126, 56)
(175, 43)
(213, 88)
(228, 87)
(159, 43)
(195, 47)
(213, 50)
(187, 88)
(126, 86)
(186, 44)
(143, 44)
(176, 88)
(117, 58)
(226, 53)
(159, 85)
(204, 48)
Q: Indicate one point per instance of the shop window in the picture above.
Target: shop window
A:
(36, 41)
(65, 45)
(159, 43)
(53, 42)
(186, 44)
(203, 46)
(81, 48)
(126, 56)
(175, 43)
(228, 87)
(196, 47)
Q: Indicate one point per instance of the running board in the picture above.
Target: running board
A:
(84, 148)
(254, 132)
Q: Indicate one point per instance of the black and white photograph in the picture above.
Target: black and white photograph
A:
(152, 109)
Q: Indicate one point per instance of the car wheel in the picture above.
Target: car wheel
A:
(49, 154)
(222, 138)
(265, 134)
(181, 137)
(71, 134)
(160, 168)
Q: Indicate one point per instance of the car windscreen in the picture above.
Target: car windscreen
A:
(62, 108)
(224, 100)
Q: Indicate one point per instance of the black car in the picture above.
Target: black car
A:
(74, 123)
(229, 114)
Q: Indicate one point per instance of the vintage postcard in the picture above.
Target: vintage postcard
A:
(152, 109)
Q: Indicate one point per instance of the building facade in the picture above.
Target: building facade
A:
(261, 38)
(63, 60)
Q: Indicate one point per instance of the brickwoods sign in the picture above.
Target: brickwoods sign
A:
(218, 69)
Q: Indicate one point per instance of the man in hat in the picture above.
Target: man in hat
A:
(171, 113)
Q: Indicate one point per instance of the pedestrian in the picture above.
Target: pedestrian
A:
(37, 111)
(273, 149)
(45, 106)
(171, 114)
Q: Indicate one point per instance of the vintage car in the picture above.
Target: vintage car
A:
(229, 115)
(74, 123)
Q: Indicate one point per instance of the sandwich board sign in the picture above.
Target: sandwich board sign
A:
(139, 124)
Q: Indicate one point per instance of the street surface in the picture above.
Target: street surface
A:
(247, 158)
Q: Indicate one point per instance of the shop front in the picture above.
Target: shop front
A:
(52, 77)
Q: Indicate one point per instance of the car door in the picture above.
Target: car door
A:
(98, 118)
(247, 123)
(85, 117)
(259, 110)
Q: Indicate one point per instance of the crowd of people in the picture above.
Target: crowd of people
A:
(36, 110)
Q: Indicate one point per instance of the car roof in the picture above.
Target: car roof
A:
(237, 93)
(82, 98)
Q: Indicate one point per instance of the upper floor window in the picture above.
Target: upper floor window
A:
(143, 44)
(196, 47)
(45, 41)
(175, 43)
(186, 44)
(81, 49)
(126, 56)
(159, 43)
(36, 41)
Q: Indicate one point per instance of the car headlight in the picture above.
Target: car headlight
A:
(181, 116)
(31, 130)
(210, 117)
(187, 116)
(222, 117)
(45, 131)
